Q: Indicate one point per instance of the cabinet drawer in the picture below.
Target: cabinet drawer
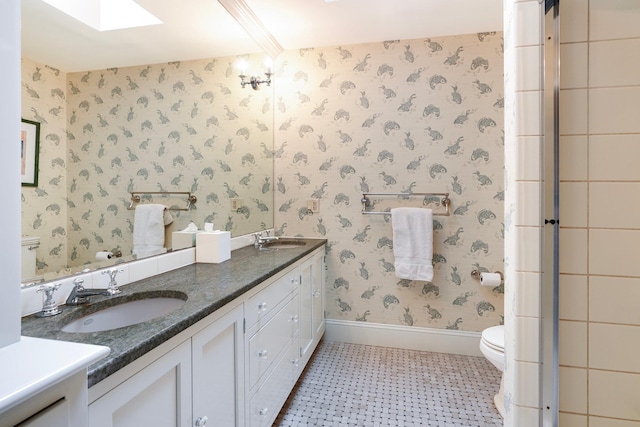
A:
(270, 398)
(268, 343)
(260, 306)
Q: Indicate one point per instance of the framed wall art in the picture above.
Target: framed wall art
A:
(29, 150)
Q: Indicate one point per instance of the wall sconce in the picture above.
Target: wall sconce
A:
(254, 81)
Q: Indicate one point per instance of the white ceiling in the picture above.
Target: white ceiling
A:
(194, 29)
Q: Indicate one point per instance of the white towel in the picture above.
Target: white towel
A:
(167, 217)
(148, 230)
(413, 243)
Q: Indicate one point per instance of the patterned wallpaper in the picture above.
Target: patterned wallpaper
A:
(181, 126)
(399, 116)
(44, 208)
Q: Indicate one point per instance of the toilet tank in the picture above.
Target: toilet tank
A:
(29, 246)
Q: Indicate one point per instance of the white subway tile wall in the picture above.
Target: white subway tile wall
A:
(522, 210)
(572, 202)
(574, 65)
(573, 297)
(573, 390)
(614, 300)
(574, 147)
(573, 336)
(576, 28)
(600, 193)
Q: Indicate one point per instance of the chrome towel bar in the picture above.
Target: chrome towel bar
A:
(445, 201)
(136, 198)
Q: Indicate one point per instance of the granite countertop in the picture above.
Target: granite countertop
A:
(208, 287)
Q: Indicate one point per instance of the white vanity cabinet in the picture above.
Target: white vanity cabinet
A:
(281, 341)
(236, 367)
(198, 382)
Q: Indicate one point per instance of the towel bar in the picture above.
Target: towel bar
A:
(366, 202)
(191, 198)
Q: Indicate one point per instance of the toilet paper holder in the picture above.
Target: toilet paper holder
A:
(475, 274)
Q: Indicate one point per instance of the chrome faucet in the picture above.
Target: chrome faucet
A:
(80, 295)
(112, 288)
(260, 240)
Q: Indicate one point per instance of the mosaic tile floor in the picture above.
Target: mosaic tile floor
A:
(358, 385)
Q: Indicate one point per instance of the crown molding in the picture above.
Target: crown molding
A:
(243, 14)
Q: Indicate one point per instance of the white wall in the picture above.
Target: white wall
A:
(9, 173)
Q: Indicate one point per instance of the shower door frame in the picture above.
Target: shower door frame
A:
(550, 230)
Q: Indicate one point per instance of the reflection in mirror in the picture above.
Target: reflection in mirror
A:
(178, 126)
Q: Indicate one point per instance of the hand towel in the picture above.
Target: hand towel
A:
(148, 230)
(413, 243)
(167, 217)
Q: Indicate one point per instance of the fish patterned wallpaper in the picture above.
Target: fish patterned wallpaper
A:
(400, 116)
(44, 208)
(180, 126)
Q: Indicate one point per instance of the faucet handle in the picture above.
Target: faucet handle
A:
(78, 283)
(268, 232)
(49, 306)
(256, 238)
(112, 288)
(112, 272)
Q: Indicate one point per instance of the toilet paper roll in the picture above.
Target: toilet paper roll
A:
(490, 279)
(103, 255)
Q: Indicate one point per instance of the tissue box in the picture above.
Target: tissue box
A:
(183, 239)
(213, 246)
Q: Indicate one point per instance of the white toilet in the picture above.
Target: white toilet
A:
(492, 347)
(29, 246)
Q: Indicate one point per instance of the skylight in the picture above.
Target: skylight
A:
(106, 15)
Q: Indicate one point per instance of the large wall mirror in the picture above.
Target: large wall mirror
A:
(146, 112)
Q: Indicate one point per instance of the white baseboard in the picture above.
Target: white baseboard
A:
(407, 337)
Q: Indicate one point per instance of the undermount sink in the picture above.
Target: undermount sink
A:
(284, 244)
(124, 311)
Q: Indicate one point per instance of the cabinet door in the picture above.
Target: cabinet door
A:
(218, 374)
(306, 307)
(317, 296)
(311, 304)
(159, 395)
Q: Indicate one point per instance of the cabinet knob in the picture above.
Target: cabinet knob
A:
(263, 411)
(262, 306)
(295, 362)
(294, 281)
(201, 422)
(262, 354)
(316, 293)
(294, 318)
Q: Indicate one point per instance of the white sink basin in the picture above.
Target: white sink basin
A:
(284, 244)
(124, 314)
